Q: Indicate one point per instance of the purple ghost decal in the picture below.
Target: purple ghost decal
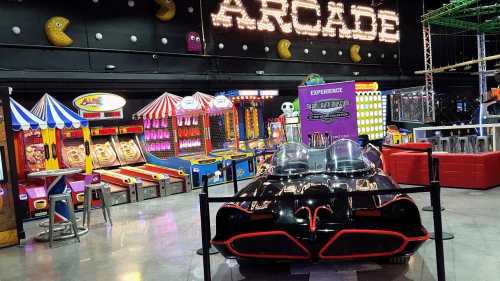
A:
(193, 42)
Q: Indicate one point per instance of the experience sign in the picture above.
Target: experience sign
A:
(309, 18)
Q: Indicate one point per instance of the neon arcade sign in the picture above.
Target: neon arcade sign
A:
(275, 15)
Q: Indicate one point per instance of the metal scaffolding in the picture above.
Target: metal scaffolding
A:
(460, 14)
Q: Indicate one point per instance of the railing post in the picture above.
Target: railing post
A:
(438, 229)
(235, 177)
(204, 178)
(205, 235)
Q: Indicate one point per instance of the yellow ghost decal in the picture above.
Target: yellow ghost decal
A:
(166, 11)
(54, 29)
(284, 49)
(355, 56)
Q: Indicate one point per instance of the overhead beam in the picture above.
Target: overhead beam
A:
(447, 9)
(461, 64)
(454, 23)
(478, 11)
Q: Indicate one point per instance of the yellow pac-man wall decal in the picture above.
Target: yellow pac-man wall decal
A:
(54, 29)
(167, 10)
(283, 48)
(355, 56)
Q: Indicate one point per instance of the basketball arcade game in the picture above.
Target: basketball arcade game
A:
(223, 124)
(249, 105)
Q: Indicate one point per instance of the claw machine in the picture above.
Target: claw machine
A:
(223, 128)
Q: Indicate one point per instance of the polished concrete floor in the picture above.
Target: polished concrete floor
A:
(156, 240)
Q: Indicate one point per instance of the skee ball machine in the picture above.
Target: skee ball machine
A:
(193, 143)
(11, 226)
(159, 140)
(30, 138)
(223, 124)
(105, 160)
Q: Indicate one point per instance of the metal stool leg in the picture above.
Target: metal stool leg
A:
(103, 204)
(89, 206)
(106, 203)
(52, 211)
(69, 204)
(85, 207)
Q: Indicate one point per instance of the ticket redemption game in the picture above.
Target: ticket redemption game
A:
(371, 110)
(249, 105)
(159, 140)
(30, 138)
(11, 227)
(105, 161)
(116, 151)
(223, 126)
(192, 144)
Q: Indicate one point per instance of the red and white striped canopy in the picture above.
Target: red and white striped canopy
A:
(204, 100)
(162, 107)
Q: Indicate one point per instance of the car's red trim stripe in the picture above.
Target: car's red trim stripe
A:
(228, 244)
(403, 245)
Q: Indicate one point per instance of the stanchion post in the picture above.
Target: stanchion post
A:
(438, 229)
(235, 177)
(205, 235)
(430, 165)
(204, 178)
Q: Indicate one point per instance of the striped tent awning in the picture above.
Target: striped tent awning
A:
(220, 104)
(203, 99)
(23, 119)
(162, 107)
(57, 115)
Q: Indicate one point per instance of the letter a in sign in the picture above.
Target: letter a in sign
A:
(230, 9)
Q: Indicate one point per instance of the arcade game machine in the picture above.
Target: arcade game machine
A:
(158, 140)
(371, 110)
(105, 160)
(192, 143)
(249, 105)
(154, 182)
(64, 125)
(117, 152)
(31, 156)
(11, 227)
(224, 138)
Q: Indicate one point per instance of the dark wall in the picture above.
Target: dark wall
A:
(147, 68)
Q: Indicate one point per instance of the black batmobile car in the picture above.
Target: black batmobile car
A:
(340, 228)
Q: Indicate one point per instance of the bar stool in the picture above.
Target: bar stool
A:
(66, 199)
(446, 144)
(103, 193)
(464, 145)
(483, 143)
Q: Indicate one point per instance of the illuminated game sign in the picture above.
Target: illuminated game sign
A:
(100, 106)
(330, 19)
